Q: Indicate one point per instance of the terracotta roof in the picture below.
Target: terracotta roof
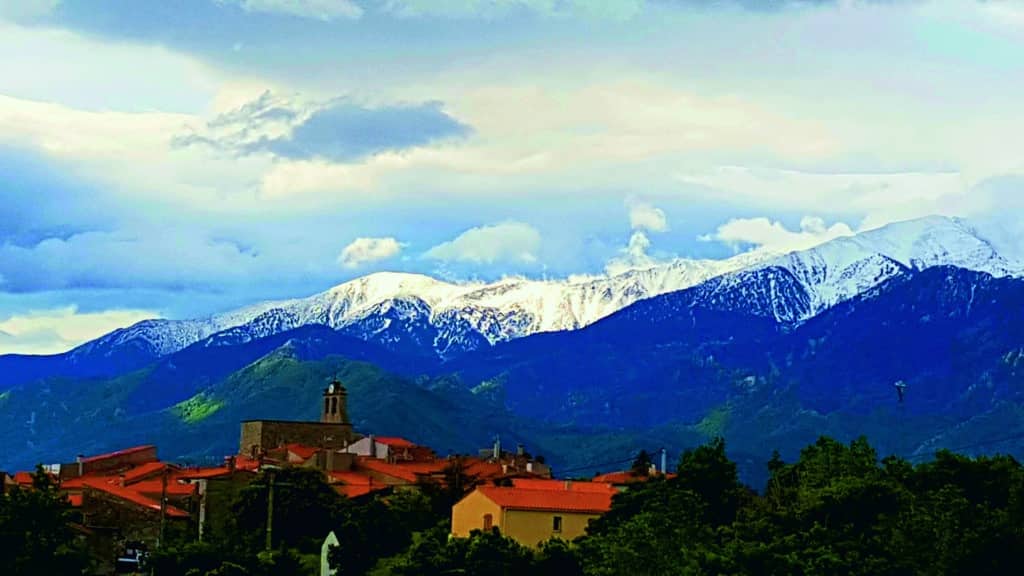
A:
(202, 473)
(23, 478)
(119, 453)
(562, 485)
(154, 488)
(104, 485)
(75, 499)
(548, 500)
(304, 452)
(143, 471)
(394, 441)
(350, 478)
(409, 472)
(626, 477)
(356, 491)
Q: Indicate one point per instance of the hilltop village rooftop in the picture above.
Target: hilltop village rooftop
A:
(125, 498)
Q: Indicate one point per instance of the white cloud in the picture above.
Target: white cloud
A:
(58, 330)
(634, 256)
(325, 10)
(765, 234)
(647, 217)
(364, 250)
(515, 242)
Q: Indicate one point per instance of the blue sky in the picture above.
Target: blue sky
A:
(178, 159)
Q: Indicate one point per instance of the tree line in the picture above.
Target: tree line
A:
(837, 509)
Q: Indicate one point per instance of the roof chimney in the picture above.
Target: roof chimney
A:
(81, 465)
(663, 461)
(373, 446)
(568, 485)
(497, 448)
(520, 450)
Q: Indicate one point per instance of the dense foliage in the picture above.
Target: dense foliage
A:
(836, 510)
(37, 533)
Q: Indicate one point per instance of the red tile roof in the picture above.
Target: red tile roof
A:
(75, 499)
(626, 477)
(114, 489)
(118, 454)
(202, 473)
(304, 452)
(144, 471)
(548, 500)
(356, 491)
(154, 488)
(562, 485)
(23, 478)
(394, 441)
(409, 471)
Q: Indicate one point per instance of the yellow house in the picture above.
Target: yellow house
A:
(532, 511)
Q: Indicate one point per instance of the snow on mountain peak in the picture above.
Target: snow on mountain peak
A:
(514, 307)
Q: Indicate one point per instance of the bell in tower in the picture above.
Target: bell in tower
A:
(335, 404)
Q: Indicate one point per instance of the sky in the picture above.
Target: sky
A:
(176, 159)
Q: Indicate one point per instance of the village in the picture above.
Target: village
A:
(128, 501)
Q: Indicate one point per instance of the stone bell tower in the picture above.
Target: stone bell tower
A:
(335, 404)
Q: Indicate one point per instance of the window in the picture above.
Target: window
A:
(488, 522)
(334, 405)
(556, 524)
(327, 405)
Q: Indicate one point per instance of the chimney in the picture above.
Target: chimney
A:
(497, 448)
(120, 480)
(81, 465)
(229, 463)
(663, 461)
(520, 450)
(568, 485)
(373, 446)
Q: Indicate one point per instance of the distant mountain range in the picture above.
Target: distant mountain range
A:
(768, 350)
(421, 315)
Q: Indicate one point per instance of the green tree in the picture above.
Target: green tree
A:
(36, 531)
(305, 510)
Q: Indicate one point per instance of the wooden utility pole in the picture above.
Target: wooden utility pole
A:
(270, 511)
(163, 507)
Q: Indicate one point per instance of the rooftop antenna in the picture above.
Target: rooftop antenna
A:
(901, 388)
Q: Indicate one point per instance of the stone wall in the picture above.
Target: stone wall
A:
(262, 435)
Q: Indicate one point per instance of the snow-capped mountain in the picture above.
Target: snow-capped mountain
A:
(417, 311)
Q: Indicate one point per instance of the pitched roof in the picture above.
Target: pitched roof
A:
(394, 441)
(302, 451)
(118, 453)
(561, 485)
(205, 473)
(155, 487)
(23, 478)
(143, 471)
(114, 489)
(512, 498)
(409, 471)
(627, 477)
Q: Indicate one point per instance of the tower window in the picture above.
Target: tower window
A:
(334, 405)
(327, 405)
(556, 524)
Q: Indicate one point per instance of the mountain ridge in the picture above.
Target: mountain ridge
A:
(410, 312)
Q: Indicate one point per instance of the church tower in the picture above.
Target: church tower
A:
(335, 404)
